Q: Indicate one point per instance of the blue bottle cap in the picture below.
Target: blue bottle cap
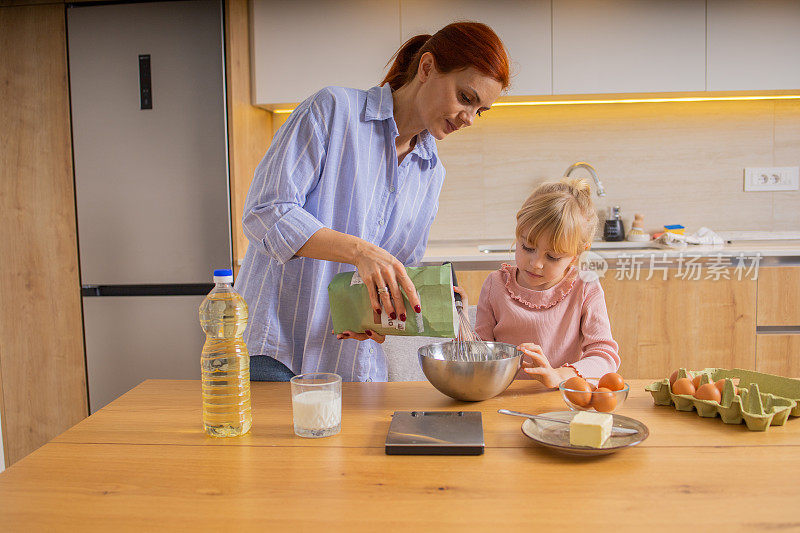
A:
(223, 272)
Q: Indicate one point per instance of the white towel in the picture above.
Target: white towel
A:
(702, 236)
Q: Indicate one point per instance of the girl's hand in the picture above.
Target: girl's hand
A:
(537, 366)
(367, 335)
(464, 297)
(380, 271)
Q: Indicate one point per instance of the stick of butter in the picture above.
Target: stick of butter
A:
(590, 429)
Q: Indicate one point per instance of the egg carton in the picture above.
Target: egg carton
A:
(767, 401)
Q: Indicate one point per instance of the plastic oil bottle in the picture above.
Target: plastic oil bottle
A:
(225, 362)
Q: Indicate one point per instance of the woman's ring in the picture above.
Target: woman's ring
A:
(383, 289)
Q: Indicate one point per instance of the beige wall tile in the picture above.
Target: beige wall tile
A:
(676, 163)
(786, 205)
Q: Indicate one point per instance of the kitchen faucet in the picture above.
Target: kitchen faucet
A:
(600, 190)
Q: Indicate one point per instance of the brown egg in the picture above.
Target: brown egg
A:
(673, 377)
(612, 381)
(579, 391)
(683, 386)
(708, 392)
(603, 400)
(720, 385)
(696, 381)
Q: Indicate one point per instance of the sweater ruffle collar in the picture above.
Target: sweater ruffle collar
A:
(537, 299)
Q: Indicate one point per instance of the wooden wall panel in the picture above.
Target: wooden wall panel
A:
(779, 296)
(778, 354)
(41, 354)
(249, 127)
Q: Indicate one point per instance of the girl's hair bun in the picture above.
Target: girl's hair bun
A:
(563, 210)
(578, 186)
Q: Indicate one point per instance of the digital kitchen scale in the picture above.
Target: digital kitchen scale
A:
(435, 433)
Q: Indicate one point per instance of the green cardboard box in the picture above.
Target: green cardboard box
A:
(351, 309)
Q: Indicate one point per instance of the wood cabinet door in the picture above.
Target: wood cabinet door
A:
(472, 282)
(662, 325)
(626, 46)
(779, 296)
(778, 354)
(523, 26)
(753, 45)
(299, 47)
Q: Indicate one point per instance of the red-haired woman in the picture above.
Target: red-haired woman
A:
(352, 180)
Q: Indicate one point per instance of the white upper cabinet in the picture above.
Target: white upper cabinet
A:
(558, 47)
(626, 46)
(300, 46)
(753, 45)
(523, 26)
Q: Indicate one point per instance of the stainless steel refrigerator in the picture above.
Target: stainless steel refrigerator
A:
(151, 181)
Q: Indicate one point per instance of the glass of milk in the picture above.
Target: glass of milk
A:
(317, 404)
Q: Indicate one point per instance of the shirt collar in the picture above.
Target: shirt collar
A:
(426, 145)
(380, 106)
(379, 103)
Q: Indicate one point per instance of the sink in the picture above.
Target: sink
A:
(622, 245)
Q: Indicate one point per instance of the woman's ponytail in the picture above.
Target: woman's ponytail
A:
(402, 60)
(457, 46)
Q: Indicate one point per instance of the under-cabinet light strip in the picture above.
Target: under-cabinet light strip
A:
(629, 101)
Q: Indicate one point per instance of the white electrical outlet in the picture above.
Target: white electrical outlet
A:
(772, 178)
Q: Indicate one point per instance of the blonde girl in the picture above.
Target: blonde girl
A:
(541, 304)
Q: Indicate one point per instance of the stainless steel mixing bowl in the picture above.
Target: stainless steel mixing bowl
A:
(466, 380)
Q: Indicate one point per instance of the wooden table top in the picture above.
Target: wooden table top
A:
(143, 463)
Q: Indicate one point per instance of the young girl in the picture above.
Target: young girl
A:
(557, 320)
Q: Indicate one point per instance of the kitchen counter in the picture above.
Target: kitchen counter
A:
(143, 463)
(466, 255)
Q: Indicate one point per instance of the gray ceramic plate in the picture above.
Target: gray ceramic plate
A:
(556, 436)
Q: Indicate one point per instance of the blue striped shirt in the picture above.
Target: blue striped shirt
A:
(332, 164)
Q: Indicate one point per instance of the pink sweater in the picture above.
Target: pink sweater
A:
(569, 320)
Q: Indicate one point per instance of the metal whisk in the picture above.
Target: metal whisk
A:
(468, 345)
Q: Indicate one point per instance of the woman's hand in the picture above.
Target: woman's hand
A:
(379, 269)
(367, 335)
(535, 364)
(384, 276)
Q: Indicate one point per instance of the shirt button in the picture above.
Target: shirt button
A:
(380, 222)
(391, 189)
(372, 350)
(369, 379)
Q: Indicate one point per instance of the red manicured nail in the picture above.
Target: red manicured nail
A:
(379, 310)
(418, 309)
(369, 333)
(403, 317)
(393, 315)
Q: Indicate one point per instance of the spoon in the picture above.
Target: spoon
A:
(614, 430)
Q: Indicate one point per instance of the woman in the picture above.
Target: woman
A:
(352, 180)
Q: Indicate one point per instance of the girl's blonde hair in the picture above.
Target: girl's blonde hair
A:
(562, 208)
